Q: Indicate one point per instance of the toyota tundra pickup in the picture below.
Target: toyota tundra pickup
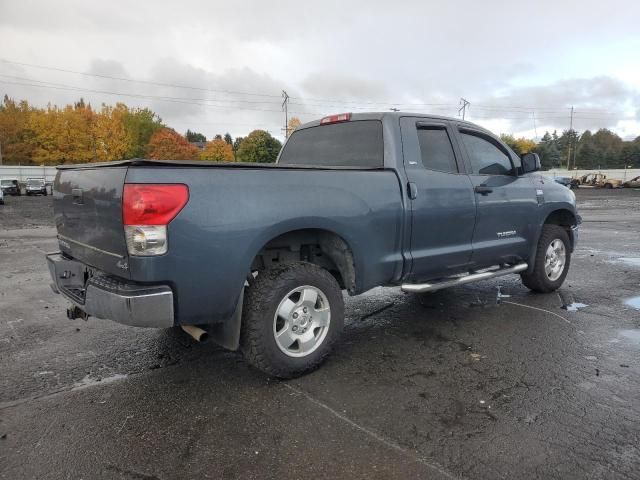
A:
(256, 255)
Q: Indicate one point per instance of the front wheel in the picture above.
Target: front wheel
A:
(292, 317)
(553, 257)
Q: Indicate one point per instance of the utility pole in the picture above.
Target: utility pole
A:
(570, 139)
(463, 108)
(535, 128)
(0, 153)
(285, 109)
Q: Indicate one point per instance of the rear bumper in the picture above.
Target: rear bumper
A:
(111, 298)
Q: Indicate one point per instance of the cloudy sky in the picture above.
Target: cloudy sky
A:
(214, 66)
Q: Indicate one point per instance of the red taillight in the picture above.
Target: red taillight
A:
(340, 117)
(152, 204)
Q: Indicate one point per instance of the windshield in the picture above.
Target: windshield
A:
(6, 183)
(35, 182)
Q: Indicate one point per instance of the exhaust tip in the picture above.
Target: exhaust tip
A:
(197, 333)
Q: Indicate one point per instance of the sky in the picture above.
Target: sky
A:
(216, 67)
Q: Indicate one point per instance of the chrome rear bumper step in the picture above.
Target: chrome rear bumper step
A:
(452, 282)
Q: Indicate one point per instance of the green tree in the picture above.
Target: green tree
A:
(631, 154)
(236, 145)
(228, 139)
(547, 149)
(195, 137)
(259, 147)
(140, 124)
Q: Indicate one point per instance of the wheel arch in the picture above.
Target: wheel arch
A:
(321, 246)
(561, 216)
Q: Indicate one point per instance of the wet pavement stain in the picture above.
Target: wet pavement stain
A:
(633, 302)
(574, 307)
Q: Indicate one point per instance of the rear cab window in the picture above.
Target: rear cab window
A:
(356, 144)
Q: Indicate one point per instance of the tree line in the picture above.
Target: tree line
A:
(79, 133)
(586, 151)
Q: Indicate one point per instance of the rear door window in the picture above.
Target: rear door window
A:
(355, 144)
(436, 150)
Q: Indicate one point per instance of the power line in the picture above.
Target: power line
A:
(148, 97)
(134, 80)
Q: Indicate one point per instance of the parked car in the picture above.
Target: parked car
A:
(1, 197)
(595, 180)
(10, 186)
(36, 186)
(354, 201)
(633, 183)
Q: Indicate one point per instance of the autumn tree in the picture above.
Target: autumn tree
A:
(519, 145)
(217, 150)
(15, 133)
(110, 138)
(167, 144)
(63, 135)
(294, 122)
(259, 147)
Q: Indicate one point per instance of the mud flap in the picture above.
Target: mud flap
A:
(227, 333)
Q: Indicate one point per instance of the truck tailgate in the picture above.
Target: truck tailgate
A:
(87, 207)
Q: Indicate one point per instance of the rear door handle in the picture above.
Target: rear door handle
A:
(483, 190)
(77, 195)
(412, 190)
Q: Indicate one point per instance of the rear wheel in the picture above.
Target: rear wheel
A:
(608, 185)
(553, 257)
(292, 317)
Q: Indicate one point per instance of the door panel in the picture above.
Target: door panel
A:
(443, 211)
(505, 202)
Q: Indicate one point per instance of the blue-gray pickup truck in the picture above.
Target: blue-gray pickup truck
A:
(256, 255)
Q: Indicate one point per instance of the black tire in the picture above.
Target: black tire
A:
(537, 280)
(608, 185)
(263, 298)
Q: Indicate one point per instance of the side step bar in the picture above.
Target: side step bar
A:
(452, 282)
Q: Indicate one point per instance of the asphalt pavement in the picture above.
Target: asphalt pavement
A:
(482, 381)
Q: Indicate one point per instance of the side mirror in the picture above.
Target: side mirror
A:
(530, 162)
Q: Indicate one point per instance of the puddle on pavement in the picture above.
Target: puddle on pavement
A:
(568, 302)
(574, 307)
(633, 302)
(633, 335)
(633, 261)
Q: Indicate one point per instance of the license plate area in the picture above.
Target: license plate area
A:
(70, 276)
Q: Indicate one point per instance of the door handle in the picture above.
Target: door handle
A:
(412, 190)
(483, 190)
(77, 195)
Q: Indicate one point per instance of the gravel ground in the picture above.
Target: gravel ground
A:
(461, 383)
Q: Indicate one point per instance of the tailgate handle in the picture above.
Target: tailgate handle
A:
(77, 196)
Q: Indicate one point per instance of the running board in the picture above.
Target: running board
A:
(473, 277)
